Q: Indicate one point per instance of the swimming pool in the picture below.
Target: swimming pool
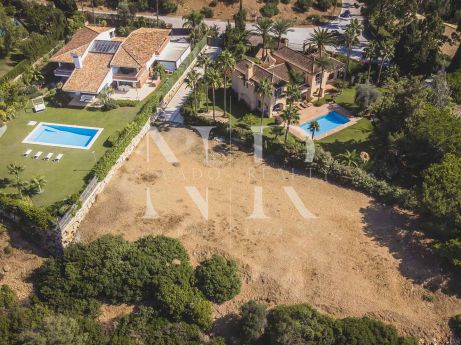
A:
(55, 134)
(326, 123)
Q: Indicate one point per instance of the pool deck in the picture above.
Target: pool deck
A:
(312, 113)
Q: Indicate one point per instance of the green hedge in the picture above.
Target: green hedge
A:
(126, 102)
(109, 158)
(29, 214)
(15, 71)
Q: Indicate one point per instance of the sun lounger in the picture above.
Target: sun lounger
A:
(48, 156)
(26, 153)
(37, 155)
(58, 158)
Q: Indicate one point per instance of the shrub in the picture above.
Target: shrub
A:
(218, 279)
(270, 9)
(207, 12)
(110, 104)
(303, 5)
(456, 324)
(252, 321)
(213, 3)
(286, 2)
(365, 95)
(325, 5)
(110, 142)
(250, 120)
(319, 102)
(454, 81)
(126, 102)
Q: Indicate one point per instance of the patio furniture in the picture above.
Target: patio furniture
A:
(58, 158)
(27, 152)
(48, 156)
(37, 155)
(87, 98)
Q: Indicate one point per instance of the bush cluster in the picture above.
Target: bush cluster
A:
(303, 5)
(270, 9)
(152, 269)
(207, 12)
(301, 324)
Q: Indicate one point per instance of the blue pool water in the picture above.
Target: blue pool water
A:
(327, 123)
(54, 134)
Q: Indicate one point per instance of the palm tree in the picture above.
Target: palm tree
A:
(320, 39)
(241, 42)
(370, 53)
(16, 169)
(351, 38)
(263, 27)
(156, 11)
(290, 116)
(323, 63)
(191, 82)
(193, 21)
(314, 127)
(226, 62)
(204, 61)
(386, 51)
(276, 131)
(214, 80)
(350, 158)
(293, 93)
(38, 182)
(263, 90)
(281, 27)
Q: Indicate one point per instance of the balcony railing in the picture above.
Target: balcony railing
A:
(134, 76)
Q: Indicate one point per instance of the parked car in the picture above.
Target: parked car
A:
(346, 14)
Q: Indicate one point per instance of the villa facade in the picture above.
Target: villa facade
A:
(278, 67)
(95, 58)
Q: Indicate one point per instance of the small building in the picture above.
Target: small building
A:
(279, 67)
(95, 58)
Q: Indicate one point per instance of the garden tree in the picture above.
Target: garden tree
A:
(193, 21)
(38, 182)
(365, 95)
(386, 51)
(409, 133)
(252, 321)
(281, 27)
(56, 330)
(263, 27)
(454, 82)
(299, 324)
(204, 61)
(218, 279)
(323, 62)
(290, 115)
(213, 79)
(126, 13)
(324, 5)
(441, 194)
(321, 38)
(370, 53)
(350, 158)
(11, 99)
(236, 41)
(351, 39)
(263, 90)
(9, 33)
(303, 5)
(456, 324)
(192, 83)
(441, 95)
(417, 49)
(16, 169)
(240, 18)
(69, 7)
(226, 63)
(45, 20)
(314, 126)
(276, 131)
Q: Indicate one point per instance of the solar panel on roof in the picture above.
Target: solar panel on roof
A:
(108, 47)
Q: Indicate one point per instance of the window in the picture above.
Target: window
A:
(259, 104)
(318, 77)
(331, 76)
(278, 92)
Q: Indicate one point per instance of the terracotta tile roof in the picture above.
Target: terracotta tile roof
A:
(90, 77)
(79, 42)
(260, 73)
(281, 71)
(140, 46)
(304, 62)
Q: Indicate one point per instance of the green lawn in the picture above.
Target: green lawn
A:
(66, 177)
(345, 99)
(8, 62)
(350, 138)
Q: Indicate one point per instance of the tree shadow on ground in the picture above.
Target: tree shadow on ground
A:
(343, 146)
(396, 230)
(227, 327)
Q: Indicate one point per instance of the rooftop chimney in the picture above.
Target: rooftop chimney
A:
(249, 70)
(78, 61)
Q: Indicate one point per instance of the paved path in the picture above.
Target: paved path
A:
(172, 112)
(295, 38)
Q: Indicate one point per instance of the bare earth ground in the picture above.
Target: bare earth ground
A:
(16, 266)
(353, 260)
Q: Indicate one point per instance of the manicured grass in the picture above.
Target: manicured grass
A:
(66, 177)
(346, 99)
(350, 138)
(6, 64)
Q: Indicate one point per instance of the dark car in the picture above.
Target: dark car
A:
(346, 14)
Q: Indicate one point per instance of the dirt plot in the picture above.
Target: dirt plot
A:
(355, 258)
(18, 259)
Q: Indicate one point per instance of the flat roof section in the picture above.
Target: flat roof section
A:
(173, 51)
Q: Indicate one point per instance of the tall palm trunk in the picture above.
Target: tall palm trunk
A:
(18, 186)
(369, 71)
(195, 98)
(288, 129)
(156, 11)
(348, 58)
(262, 115)
(214, 103)
(321, 83)
(225, 93)
(380, 70)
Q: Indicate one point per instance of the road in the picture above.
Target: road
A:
(299, 34)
